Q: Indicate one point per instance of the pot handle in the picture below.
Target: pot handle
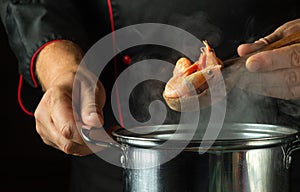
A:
(86, 136)
(294, 146)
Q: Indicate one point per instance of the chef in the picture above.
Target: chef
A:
(50, 39)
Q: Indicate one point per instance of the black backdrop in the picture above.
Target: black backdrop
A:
(27, 164)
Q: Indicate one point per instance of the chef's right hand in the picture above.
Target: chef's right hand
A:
(274, 73)
(64, 107)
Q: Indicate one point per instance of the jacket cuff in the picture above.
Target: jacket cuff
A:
(26, 109)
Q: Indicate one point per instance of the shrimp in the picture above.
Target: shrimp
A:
(188, 78)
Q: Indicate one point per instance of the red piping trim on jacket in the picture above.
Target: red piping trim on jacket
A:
(32, 63)
(19, 97)
(111, 16)
(112, 25)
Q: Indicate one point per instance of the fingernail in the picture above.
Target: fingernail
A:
(253, 65)
(95, 115)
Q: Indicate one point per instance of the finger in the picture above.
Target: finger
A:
(270, 83)
(45, 136)
(44, 124)
(284, 30)
(72, 148)
(58, 116)
(284, 77)
(247, 48)
(56, 125)
(49, 133)
(92, 102)
(61, 113)
(56, 140)
(275, 36)
(286, 93)
(281, 58)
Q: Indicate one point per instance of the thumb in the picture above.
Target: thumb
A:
(92, 102)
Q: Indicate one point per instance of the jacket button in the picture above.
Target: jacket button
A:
(126, 59)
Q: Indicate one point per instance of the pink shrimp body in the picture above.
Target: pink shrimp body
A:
(188, 77)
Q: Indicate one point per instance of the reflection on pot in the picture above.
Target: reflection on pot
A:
(244, 158)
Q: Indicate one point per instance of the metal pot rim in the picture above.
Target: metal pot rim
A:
(233, 136)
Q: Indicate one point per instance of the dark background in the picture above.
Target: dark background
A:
(27, 164)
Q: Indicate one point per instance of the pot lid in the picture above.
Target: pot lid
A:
(231, 136)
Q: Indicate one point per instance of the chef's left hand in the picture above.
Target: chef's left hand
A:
(274, 73)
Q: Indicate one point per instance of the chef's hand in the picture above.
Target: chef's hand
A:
(59, 111)
(273, 73)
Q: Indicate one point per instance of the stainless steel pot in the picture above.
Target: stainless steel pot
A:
(243, 158)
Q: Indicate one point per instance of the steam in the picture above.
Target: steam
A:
(199, 26)
(158, 46)
(242, 106)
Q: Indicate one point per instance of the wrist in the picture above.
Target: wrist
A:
(56, 61)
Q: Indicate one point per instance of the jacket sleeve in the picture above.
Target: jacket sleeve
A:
(30, 24)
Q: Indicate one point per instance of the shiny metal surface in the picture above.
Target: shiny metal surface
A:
(244, 158)
(231, 136)
(254, 170)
